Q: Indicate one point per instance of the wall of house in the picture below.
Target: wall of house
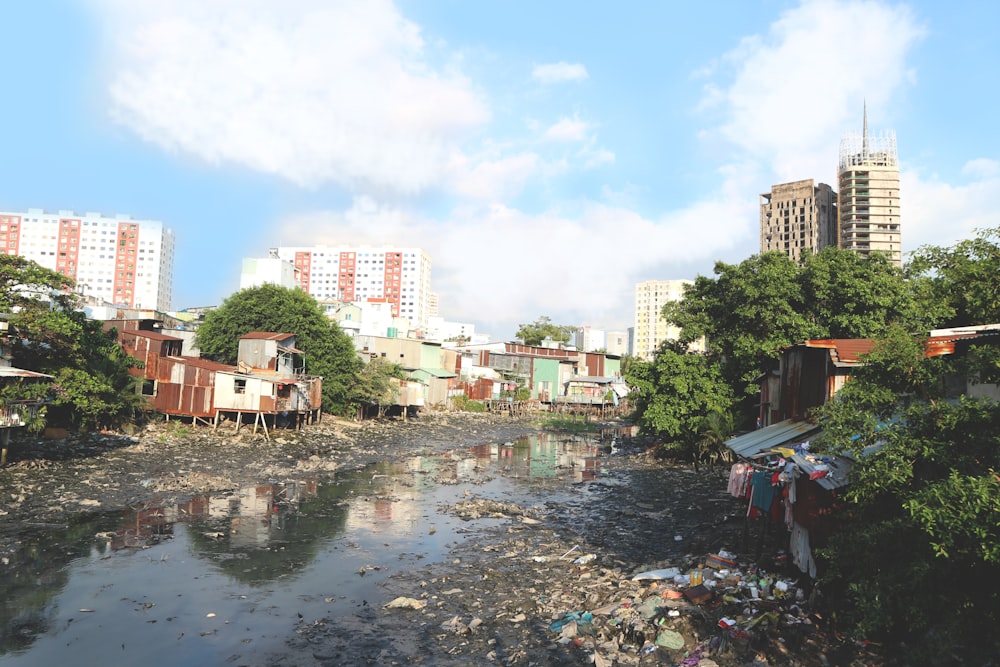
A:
(545, 377)
(257, 394)
(258, 353)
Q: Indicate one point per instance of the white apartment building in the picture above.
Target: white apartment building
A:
(400, 277)
(116, 259)
(650, 327)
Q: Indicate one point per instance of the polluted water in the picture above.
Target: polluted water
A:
(224, 578)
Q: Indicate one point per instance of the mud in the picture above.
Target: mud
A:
(543, 583)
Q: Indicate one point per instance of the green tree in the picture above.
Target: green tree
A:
(374, 384)
(542, 328)
(746, 314)
(749, 311)
(92, 387)
(962, 279)
(674, 394)
(716, 428)
(848, 295)
(329, 352)
(920, 535)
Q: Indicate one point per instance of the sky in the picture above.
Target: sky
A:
(547, 155)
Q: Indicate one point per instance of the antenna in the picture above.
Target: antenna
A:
(864, 131)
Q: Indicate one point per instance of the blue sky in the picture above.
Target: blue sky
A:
(548, 156)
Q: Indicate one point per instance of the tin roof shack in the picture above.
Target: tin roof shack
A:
(809, 374)
(15, 413)
(184, 387)
(593, 394)
(427, 362)
(271, 351)
(148, 347)
(269, 380)
(780, 476)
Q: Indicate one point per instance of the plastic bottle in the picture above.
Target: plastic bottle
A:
(698, 576)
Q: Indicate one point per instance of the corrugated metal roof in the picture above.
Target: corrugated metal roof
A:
(267, 335)
(840, 468)
(437, 372)
(290, 349)
(198, 362)
(11, 372)
(152, 335)
(592, 379)
(776, 435)
(844, 350)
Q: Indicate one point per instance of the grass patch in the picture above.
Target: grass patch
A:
(573, 424)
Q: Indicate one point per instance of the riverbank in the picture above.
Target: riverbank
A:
(494, 600)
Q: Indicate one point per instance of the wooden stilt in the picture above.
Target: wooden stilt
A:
(4, 445)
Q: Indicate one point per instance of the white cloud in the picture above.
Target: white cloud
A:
(558, 72)
(938, 213)
(797, 89)
(496, 179)
(572, 268)
(567, 129)
(312, 91)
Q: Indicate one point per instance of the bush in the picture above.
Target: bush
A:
(466, 404)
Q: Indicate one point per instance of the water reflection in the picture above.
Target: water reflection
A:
(266, 545)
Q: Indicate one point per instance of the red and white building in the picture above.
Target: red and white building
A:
(117, 259)
(400, 277)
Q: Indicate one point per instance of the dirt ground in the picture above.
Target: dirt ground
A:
(554, 584)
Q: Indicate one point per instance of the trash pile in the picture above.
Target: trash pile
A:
(714, 607)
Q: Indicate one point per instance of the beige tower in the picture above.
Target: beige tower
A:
(650, 327)
(869, 194)
(797, 217)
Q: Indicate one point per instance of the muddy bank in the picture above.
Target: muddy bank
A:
(47, 480)
(543, 582)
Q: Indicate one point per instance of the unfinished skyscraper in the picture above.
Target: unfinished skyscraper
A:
(797, 217)
(869, 193)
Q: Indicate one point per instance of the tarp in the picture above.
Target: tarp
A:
(790, 431)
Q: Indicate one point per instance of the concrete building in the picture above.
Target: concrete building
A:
(798, 217)
(650, 327)
(117, 259)
(270, 270)
(444, 331)
(400, 277)
(589, 339)
(618, 343)
(869, 194)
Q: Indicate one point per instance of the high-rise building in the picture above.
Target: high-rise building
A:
(400, 277)
(650, 327)
(869, 193)
(797, 217)
(117, 259)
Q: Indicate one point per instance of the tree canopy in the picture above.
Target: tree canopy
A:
(91, 386)
(962, 280)
(675, 393)
(749, 311)
(542, 328)
(329, 352)
(921, 533)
